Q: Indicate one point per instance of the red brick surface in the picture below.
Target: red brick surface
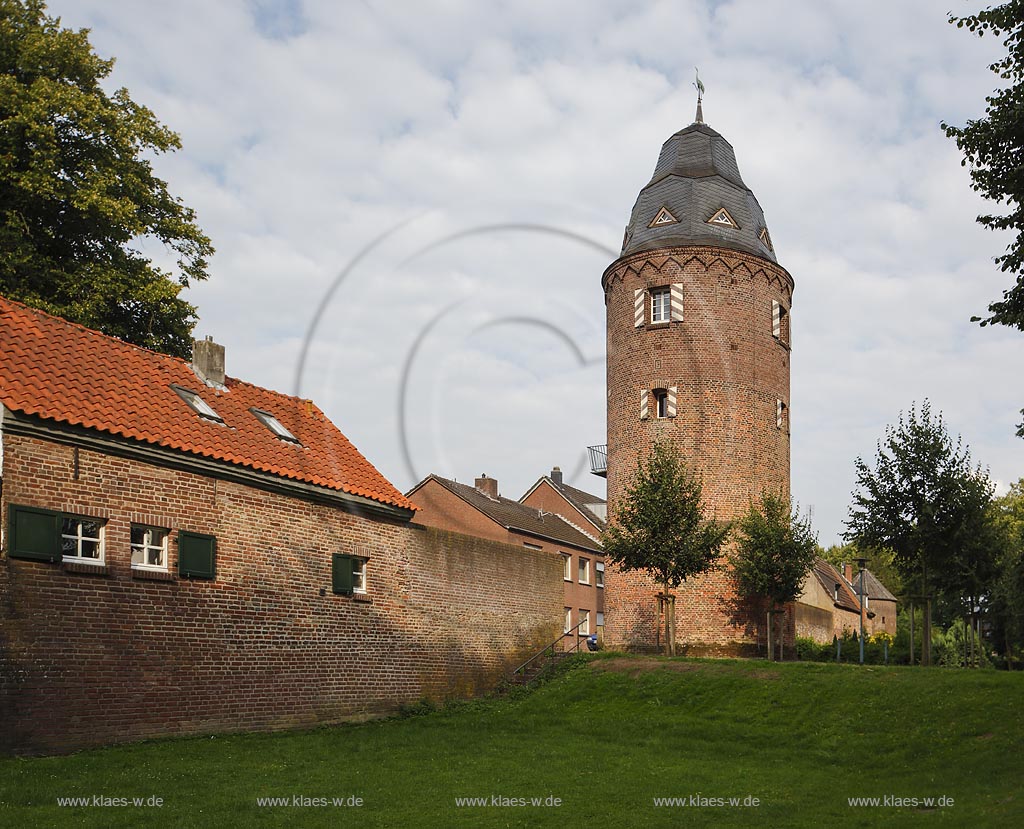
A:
(729, 371)
(88, 659)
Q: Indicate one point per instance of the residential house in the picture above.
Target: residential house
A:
(481, 511)
(830, 605)
(184, 552)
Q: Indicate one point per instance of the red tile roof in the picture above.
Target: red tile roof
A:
(64, 372)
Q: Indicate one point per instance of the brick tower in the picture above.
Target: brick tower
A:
(698, 354)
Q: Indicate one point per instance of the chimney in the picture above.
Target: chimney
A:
(488, 486)
(556, 475)
(208, 361)
(848, 572)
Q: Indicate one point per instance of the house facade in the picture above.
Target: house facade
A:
(481, 511)
(830, 604)
(183, 552)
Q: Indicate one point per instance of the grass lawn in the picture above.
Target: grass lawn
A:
(606, 737)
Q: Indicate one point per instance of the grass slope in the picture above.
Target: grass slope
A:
(606, 737)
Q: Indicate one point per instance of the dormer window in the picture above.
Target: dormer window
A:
(722, 218)
(198, 405)
(275, 425)
(663, 217)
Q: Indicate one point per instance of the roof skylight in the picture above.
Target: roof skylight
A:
(275, 425)
(199, 406)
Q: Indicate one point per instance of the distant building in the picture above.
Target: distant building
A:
(481, 511)
(830, 605)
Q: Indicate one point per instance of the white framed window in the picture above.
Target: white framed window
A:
(584, 571)
(584, 628)
(359, 575)
(81, 539)
(566, 567)
(149, 547)
(600, 619)
(530, 546)
(599, 574)
(780, 414)
(661, 305)
(568, 620)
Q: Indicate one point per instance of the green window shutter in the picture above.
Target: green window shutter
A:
(33, 533)
(341, 574)
(197, 554)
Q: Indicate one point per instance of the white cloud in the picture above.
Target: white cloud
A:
(312, 128)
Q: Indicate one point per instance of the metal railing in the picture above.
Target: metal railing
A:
(549, 650)
(598, 460)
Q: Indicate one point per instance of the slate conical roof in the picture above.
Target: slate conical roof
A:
(696, 177)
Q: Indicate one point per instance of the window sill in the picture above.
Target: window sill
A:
(655, 326)
(152, 575)
(362, 598)
(85, 569)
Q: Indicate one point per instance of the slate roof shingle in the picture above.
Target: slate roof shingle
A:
(61, 371)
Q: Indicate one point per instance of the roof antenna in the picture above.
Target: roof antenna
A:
(699, 86)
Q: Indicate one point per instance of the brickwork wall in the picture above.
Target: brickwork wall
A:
(441, 508)
(96, 658)
(729, 371)
(884, 620)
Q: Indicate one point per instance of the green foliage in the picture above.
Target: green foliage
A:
(76, 191)
(1007, 594)
(660, 526)
(925, 503)
(993, 147)
(775, 549)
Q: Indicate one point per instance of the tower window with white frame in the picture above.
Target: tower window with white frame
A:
(661, 305)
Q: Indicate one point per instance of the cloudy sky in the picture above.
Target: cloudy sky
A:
(413, 204)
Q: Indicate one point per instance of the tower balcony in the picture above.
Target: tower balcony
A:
(599, 460)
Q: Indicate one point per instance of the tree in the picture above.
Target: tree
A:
(1007, 594)
(660, 527)
(76, 191)
(920, 501)
(775, 549)
(993, 146)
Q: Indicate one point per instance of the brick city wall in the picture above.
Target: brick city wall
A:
(88, 658)
(729, 371)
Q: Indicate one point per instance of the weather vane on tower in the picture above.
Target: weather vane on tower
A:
(699, 86)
